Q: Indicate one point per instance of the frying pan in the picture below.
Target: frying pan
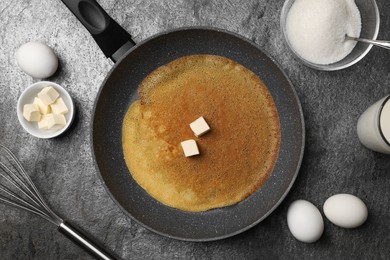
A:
(119, 89)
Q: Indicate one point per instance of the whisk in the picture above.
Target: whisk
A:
(18, 190)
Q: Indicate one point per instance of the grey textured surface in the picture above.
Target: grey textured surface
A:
(63, 170)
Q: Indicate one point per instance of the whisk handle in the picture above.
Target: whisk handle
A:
(83, 241)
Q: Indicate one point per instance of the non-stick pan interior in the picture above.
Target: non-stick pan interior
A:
(119, 90)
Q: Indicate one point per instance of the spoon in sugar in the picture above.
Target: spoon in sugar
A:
(383, 44)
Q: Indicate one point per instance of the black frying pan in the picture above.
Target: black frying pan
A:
(119, 90)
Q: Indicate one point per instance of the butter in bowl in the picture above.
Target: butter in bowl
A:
(45, 109)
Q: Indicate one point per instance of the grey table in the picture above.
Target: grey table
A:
(63, 170)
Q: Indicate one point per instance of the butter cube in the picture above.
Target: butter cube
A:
(190, 148)
(31, 112)
(200, 126)
(52, 121)
(44, 109)
(59, 107)
(48, 95)
(42, 124)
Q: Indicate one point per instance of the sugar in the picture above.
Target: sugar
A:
(316, 29)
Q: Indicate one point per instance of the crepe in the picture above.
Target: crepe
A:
(236, 157)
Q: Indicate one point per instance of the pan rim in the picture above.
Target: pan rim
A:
(297, 101)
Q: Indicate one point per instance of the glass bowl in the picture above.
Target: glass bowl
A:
(370, 26)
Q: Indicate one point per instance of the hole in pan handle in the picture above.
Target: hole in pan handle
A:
(112, 39)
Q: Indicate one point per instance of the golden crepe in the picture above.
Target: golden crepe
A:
(236, 156)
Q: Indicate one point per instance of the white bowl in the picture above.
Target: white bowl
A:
(27, 97)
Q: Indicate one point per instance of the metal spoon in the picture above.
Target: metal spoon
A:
(383, 44)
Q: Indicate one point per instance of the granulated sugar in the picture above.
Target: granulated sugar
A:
(316, 29)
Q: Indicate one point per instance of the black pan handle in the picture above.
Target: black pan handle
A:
(112, 39)
(81, 240)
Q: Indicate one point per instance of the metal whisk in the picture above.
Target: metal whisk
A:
(18, 190)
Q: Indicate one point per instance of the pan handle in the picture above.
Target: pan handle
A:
(112, 39)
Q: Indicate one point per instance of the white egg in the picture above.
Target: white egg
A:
(305, 221)
(345, 210)
(37, 60)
